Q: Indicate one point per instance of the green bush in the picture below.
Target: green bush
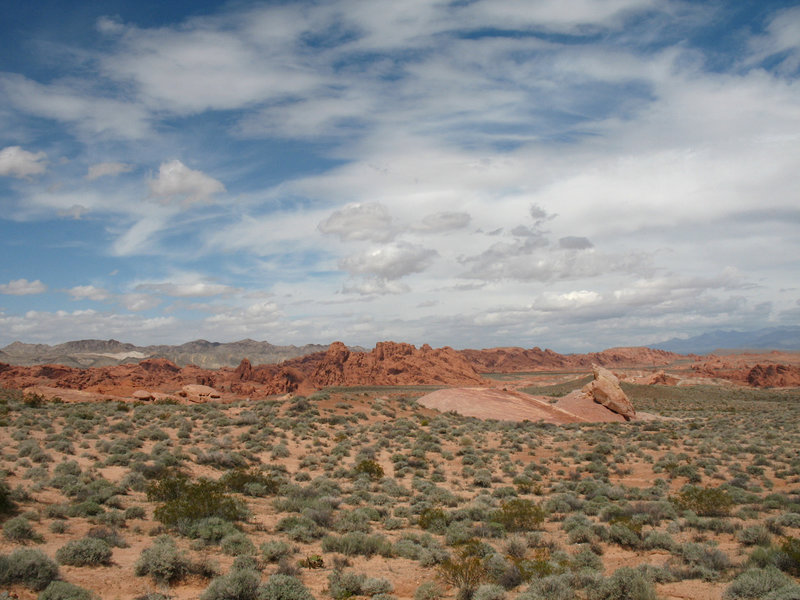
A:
(466, 571)
(284, 587)
(428, 590)
(345, 584)
(251, 482)
(186, 501)
(370, 468)
(19, 529)
(790, 556)
(519, 514)
(237, 585)
(30, 567)
(357, 543)
(237, 544)
(86, 552)
(489, 591)
(61, 590)
(162, 561)
(274, 550)
(760, 583)
(706, 502)
(6, 503)
(625, 583)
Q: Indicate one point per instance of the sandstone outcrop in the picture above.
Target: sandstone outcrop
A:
(143, 395)
(514, 360)
(661, 378)
(774, 376)
(604, 389)
(392, 363)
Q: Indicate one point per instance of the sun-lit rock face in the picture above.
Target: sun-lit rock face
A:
(605, 390)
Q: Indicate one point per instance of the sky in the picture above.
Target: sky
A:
(574, 174)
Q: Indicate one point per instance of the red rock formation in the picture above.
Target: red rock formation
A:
(514, 360)
(392, 363)
(774, 376)
(604, 389)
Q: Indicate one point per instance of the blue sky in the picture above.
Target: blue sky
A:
(576, 175)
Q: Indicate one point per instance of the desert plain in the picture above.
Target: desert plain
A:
(402, 473)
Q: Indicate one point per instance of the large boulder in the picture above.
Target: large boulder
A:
(605, 390)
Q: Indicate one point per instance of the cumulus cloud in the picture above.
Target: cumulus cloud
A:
(190, 289)
(88, 292)
(16, 162)
(177, 183)
(107, 169)
(375, 286)
(137, 302)
(572, 242)
(443, 221)
(22, 287)
(360, 221)
(392, 261)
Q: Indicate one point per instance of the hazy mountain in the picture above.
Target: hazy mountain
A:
(100, 353)
(775, 338)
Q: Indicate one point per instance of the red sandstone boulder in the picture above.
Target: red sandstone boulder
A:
(605, 390)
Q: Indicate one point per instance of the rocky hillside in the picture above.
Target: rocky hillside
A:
(104, 353)
(515, 360)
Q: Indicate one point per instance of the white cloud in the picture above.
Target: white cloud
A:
(368, 221)
(88, 292)
(107, 169)
(443, 221)
(16, 162)
(392, 261)
(22, 287)
(74, 103)
(178, 183)
(137, 302)
(194, 289)
(375, 286)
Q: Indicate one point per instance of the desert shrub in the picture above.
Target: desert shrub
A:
(370, 468)
(789, 559)
(62, 590)
(186, 501)
(428, 590)
(372, 586)
(357, 543)
(251, 482)
(345, 584)
(29, 567)
(135, 512)
(210, 530)
(433, 519)
(237, 544)
(756, 535)
(300, 528)
(6, 503)
(237, 585)
(284, 587)
(111, 537)
(19, 529)
(760, 583)
(552, 587)
(706, 502)
(703, 561)
(162, 561)
(658, 539)
(86, 552)
(274, 550)
(625, 583)
(489, 591)
(519, 514)
(466, 571)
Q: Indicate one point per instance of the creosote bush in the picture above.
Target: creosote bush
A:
(163, 562)
(706, 502)
(186, 501)
(62, 590)
(86, 552)
(29, 567)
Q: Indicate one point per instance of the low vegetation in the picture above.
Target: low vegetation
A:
(360, 492)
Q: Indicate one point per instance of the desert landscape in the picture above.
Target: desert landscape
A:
(404, 472)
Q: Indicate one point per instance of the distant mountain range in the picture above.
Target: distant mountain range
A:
(775, 338)
(105, 353)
